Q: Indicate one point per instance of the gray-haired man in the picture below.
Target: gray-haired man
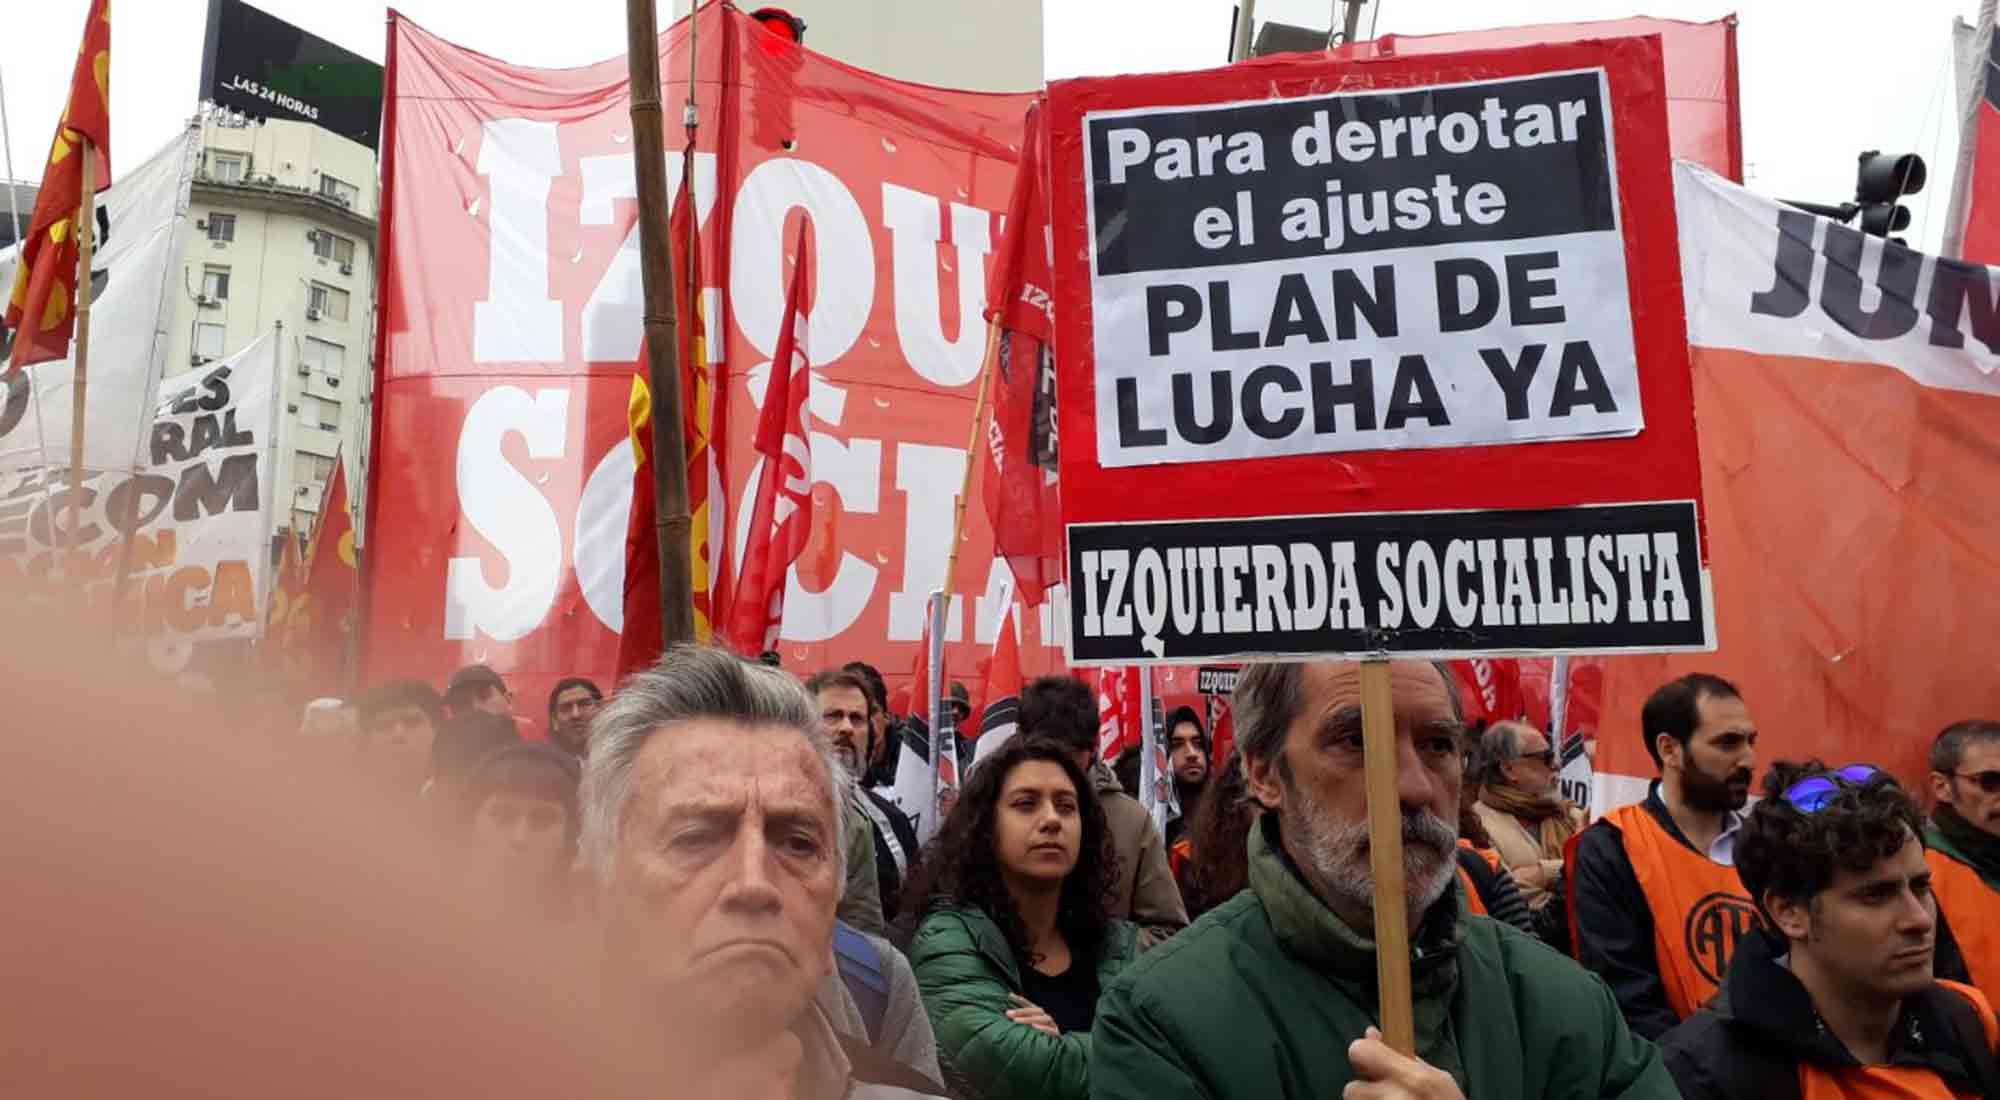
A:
(712, 820)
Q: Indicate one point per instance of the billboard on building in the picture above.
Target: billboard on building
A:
(259, 65)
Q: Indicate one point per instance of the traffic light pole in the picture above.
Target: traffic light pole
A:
(662, 344)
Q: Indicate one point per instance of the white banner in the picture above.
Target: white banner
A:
(198, 508)
(1363, 271)
(136, 266)
(1765, 278)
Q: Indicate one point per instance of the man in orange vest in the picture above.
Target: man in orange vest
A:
(1964, 842)
(1657, 906)
(1833, 996)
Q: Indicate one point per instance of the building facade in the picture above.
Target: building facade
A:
(281, 230)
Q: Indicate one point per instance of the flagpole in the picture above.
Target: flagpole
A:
(86, 240)
(971, 456)
(656, 273)
(7, 144)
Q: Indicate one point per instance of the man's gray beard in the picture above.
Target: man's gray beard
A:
(1337, 856)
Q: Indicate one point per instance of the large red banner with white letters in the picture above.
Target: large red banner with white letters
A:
(510, 320)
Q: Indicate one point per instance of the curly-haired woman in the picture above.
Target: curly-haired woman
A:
(1016, 942)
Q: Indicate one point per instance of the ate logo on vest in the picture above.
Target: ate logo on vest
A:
(1714, 926)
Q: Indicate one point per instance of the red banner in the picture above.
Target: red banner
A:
(510, 304)
(1698, 59)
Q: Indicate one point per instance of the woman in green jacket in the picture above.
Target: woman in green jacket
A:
(1016, 941)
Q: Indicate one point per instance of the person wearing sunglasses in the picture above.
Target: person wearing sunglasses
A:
(1518, 804)
(1964, 841)
(1655, 900)
(1833, 995)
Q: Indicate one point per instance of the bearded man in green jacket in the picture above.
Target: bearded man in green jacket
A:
(1273, 994)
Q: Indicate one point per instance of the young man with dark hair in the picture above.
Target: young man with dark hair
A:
(477, 688)
(1063, 708)
(1187, 755)
(1657, 906)
(519, 808)
(400, 720)
(1833, 994)
(573, 702)
(1964, 841)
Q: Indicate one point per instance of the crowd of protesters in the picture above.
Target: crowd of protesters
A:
(729, 832)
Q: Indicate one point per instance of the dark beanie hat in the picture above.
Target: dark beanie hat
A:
(530, 769)
(467, 739)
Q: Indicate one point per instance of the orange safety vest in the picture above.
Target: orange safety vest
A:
(1472, 899)
(1698, 905)
(1973, 910)
(1893, 1082)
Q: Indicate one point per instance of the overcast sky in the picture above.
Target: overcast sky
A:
(1821, 79)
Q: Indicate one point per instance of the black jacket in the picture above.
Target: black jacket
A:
(886, 877)
(1614, 923)
(1750, 1041)
(1497, 891)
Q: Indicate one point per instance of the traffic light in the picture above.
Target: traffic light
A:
(781, 23)
(1880, 183)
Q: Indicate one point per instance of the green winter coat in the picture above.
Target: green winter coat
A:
(1260, 998)
(966, 972)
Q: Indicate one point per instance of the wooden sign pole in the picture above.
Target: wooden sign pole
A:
(1385, 852)
(86, 243)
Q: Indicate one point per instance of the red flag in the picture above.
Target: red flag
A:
(1120, 713)
(311, 620)
(1001, 717)
(333, 588)
(1490, 688)
(782, 517)
(1017, 289)
(641, 641)
(699, 421)
(1973, 233)
(1019, 480)
(42, 306)
(1221, 730)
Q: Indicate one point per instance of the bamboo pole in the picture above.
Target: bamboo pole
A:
(86, 242)
(971, 455)
(656, 270)
(1385, 856)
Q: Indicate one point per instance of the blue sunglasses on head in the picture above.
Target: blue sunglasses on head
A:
(1811, 794)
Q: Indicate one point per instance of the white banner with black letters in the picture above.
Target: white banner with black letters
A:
(1430, 267)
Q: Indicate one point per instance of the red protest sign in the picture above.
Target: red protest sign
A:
(1373, 356)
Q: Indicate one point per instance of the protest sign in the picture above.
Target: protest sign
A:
(1399, 367)
(1215, 680)
(196, 510)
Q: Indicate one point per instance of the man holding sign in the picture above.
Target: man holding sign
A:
(1272, 994)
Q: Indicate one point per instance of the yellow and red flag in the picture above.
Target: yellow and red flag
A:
(641, 640)
(42, 306)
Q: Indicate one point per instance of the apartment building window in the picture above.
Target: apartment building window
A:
(208, 340)
(226, 167)
(222, 227)
(330, 301)
(310, 469)
(319, 412)
(339, 190)
(333, 246)
(215, 283)
(324, 356)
